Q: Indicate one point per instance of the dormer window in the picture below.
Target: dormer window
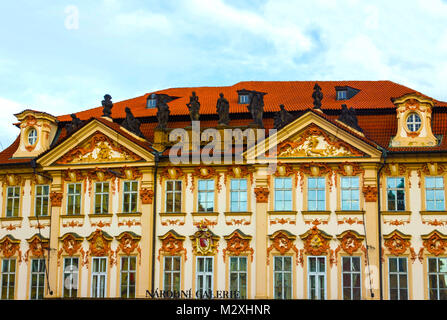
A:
(345, 92)
(341, 95)
(152, 101)
(244, 99)
(32, 136)
(413, 122)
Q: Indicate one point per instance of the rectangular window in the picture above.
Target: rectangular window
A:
(283, 194)
(12, 201)
(128, 276)
(71, 276)
(238, 195)
(99, 277)
(316, 278)
(341, 94)
(437, 278)
(351, 277)
(396, 194)
(350, 193)
(206, 196)
(238, 276)
(8, 278)
(204, 277)
(282, 277)
(434, 193)
(101, 197)
(151, 103)
(398, 278)
(37, 279)
(244, 99)
(171, 281)
(74, 198)
(316, 192)
(173, 196)
(130, 196)
(42, 200)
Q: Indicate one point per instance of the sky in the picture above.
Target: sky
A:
(63, 56)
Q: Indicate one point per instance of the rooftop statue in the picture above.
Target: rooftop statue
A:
(317, 95)
(131, 123)
(256, 108)
(349, 117)
(223, 110)
(282, 118)
(194, 107)
(107, 105)
(74, 125)
(162, 113)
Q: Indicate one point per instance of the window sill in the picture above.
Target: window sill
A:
(204, 213)
(282, 212)
(316, 212)
(434, 213)
(101, 215)
(11, 218)
(238, 213)
(395, 213)
(172, 214)
(343, 212)
(69, 216)
(33, 218)
(130, 214)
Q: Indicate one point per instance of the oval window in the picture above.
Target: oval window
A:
(32, 136)
(413, 122)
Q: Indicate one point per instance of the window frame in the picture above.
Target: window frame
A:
(133, 196)
(128, 272)
(286, 192)
(207, 191)
(43, 197)
(398, 274)
(175, 194)
(171, 273)
(72, 272)
(40, 290)
(434, 189)
(98, 274)
(8, 275)
(244, 99)
(351, 274)
(283, 273)
(102, 194)
(351, 190)
(342, 94)
(317, 274)
(34, 137)
(238, 274)
(239, 191)
(74, 196)
(15, 199)
(316, 189)
(403, 189)
(204, 274)
(413, 123)
(437, 274)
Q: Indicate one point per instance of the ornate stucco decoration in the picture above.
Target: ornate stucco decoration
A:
(56, 198)
(435, 242)
(397, 243)
(282, 242)
(314, 142)
(100, 174)
(238, 243)
(430, 169)
(173, 173)
(9, 247)
(350, 241)
(71, 244)
(238, 172)
(204, 172)
(73, 175)
(37, 246)
(172, 244)
(12, 180)
(315, 170)
(316, 242)
(99, 244)
(146, 195)
(370, 193)
(204, 241)
(99, 148)
(128, 243)
(262, 194)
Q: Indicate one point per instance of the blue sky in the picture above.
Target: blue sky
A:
(63, 56)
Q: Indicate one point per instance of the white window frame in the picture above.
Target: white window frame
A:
(398, 274)
(435, 189)
(317, 189)
(351, 273)
(317, 274)
(238, 273)
(8, 275)
(396, 189)
(351, 190)
(32, 139)
(171, 273)
(413, 124)
(74, 196)
(128, 272)
(73, 275)
(284, 191)
(342, 94)
(96, 292)
(43, 197)
(15, 198)
(437, 274)
(38, 274)
(244, 99)
(206, 192)
(282, 272)
(175, 194)
(133, 196)
(204, 275)
(103, 194)
(238, 191)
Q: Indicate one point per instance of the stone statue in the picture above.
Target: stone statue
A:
(162, 113)
(256, 108)
(131, 123)
(74, 125)
(223, 110)
(317, 95)
(107, 106)
(349, 117)
(282, 118)
(194, 107)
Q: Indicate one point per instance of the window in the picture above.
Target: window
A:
(282, 277)
(316, 194)
(350, 193)
(74, 198)
(238, 195)
(172, 273)
(101, 197)
(413, 122)
(130, 196)
(206, 196)
(434, 193)
(99, 277)
(316, 278)
(12, 201)
(238, 276)
(8, 278)
(437, 278)
(396, 194)
(341, 95)
(32, 136)
(152, 101)
(398, 278)
(37, 279)
(42, 200)
(71, 276)
(204, 277)
(128, 276)
(244, 99)
(351, 277)
(283, 194)
(173, 196)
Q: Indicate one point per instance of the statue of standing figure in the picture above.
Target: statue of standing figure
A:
(223, 110)
(194, 107)
(74, 125)
(256, 108)
(107, 106)
(317, 95)
(131, 123)
(162, 113)
(282, 118)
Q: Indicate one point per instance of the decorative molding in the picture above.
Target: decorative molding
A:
(435, 242)
(397, 243)
(350, 241)
(146, 195)
(9, 247)
(172, 244)
(71, 244)
(238, 243)
(370, 193)
(204, 241)
(316, 242)
(173, 173)
(238, 172)
(128, 243)
(56, 199)
(99, 244)
(315, 170)
(205, 172)
(282, 242)
(37, 246)
(262, 194)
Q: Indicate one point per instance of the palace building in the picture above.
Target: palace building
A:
(260, 190)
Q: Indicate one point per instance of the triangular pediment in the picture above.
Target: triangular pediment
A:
(312, 137)
(96, 144)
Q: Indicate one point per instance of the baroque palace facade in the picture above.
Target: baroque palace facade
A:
(93, 206)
